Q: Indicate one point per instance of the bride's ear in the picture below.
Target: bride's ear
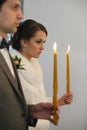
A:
(24, 43)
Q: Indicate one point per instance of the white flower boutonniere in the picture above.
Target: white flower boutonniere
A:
(17, 62)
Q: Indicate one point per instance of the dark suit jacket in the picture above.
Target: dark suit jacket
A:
(14, 113)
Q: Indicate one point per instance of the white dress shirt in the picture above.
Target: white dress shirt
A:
(5, 54)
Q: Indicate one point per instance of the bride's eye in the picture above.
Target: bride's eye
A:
(39, 42)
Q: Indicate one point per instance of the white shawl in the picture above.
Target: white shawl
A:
(31, 78)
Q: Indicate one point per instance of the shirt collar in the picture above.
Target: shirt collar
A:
(0, 40)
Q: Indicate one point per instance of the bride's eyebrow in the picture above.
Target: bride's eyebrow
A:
(40, 40)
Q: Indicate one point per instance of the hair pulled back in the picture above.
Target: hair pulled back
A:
(26, 31)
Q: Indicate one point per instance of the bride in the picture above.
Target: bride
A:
(27, 45)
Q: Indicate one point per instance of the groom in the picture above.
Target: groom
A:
(14, 113)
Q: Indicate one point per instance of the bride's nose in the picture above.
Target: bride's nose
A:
(42, 47)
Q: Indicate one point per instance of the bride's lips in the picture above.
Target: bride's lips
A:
(39, 52)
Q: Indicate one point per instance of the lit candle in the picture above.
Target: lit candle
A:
(55, 85)
(68, 70)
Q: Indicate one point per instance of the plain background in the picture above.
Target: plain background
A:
(66, 22)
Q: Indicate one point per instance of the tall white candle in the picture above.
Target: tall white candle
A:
(55, 84)
(68, 70)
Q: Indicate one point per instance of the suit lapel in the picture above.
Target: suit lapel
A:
(13, 81)
(17, 79)
(5, 67)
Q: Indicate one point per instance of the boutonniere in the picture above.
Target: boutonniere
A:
(18, 63)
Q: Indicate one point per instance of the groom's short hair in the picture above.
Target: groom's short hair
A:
(2, 2)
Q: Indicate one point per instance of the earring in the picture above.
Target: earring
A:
(24, 48)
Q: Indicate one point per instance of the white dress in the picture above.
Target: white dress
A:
(31, 78)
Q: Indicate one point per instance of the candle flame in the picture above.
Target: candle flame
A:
(68, 48)
(55, 46)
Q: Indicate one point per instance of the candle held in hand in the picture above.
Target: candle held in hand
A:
(55, 85)
(68, 70)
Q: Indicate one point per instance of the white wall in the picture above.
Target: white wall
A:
(66, 21)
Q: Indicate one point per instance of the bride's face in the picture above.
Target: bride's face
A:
(35, 46)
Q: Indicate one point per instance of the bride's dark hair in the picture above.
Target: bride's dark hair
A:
(26, 31)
